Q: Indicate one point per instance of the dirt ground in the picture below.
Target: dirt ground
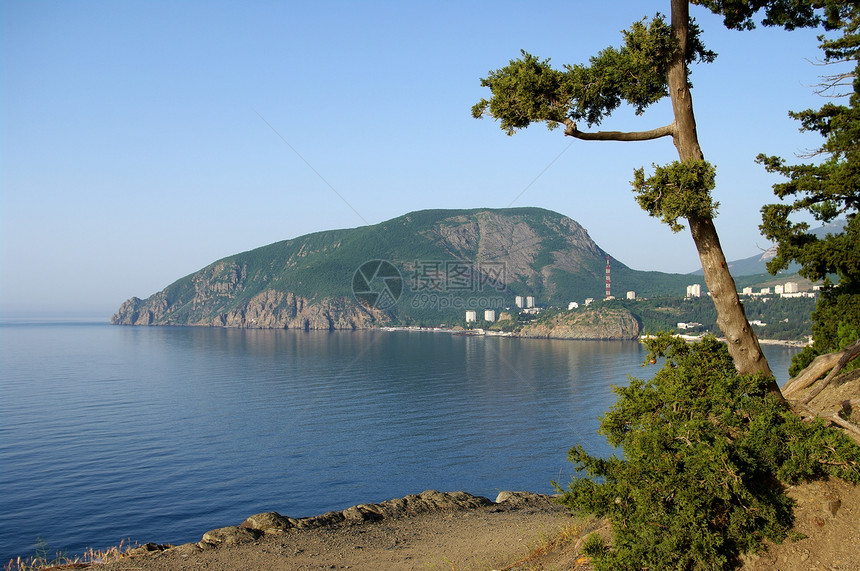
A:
(828, 514)
(491, 537)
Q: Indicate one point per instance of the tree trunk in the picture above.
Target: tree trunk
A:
(731, 319)
(686, 136)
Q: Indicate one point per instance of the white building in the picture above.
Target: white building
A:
(572, 305)
(790, 287)
(764, 291)
(530, 301)
(778, 289)
(519, 301)
(471, 316)
(748, 291)
(631, 295)
(694, 290)
(589, 301)
(489, 315)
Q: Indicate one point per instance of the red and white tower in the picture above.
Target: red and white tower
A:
(608, 281)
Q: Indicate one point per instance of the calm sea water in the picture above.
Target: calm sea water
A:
(160, 434)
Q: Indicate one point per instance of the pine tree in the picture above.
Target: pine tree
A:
(829, 190)
(652, 64)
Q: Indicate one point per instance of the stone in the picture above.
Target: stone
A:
(324, 520)
(362, 513)
(186, 549)
(522, 499)
(268, 521)
(832, 506)
(145, 549)
(232, 535)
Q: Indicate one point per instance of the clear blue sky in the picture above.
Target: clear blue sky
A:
(133, 150)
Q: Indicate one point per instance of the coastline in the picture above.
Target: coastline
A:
(430, 530)
(517, 532)
(478, 332)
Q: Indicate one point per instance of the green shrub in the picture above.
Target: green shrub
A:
(706, 453)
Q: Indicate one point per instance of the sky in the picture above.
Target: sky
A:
(141, 141)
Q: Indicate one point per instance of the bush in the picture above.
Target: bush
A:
(706, 453)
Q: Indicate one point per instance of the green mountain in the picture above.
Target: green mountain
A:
(423, 268)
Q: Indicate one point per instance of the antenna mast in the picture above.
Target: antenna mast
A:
(608, 280)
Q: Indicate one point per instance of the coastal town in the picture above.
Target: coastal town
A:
(780, 310)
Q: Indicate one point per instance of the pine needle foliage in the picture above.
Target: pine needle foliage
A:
(827, 189)
(681, 189)
(707, 454)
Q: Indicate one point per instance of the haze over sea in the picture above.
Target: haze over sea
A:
(160, 434)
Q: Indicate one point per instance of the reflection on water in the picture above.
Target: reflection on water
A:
(159, 434)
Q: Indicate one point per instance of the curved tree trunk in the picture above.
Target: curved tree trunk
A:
(731, 319)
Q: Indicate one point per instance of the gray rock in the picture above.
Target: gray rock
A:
(523, 499)
(832, 506)
(326, 519)
(232, 535)
(363, 512)
(186, 549)
(269, 521)
(146, 549)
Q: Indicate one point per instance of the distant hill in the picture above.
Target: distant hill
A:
(757, 264)
(423, 268)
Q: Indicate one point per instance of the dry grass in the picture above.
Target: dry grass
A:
(43, 562)
(564, 538)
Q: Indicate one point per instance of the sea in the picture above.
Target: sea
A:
(114, 434)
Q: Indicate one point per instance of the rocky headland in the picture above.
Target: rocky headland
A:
(268, 309)
(442, 261)
(599, 324)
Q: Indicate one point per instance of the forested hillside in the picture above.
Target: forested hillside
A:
(438, 264)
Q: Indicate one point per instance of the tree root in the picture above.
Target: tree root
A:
(819, 366)
(850, 352)
(834, 363)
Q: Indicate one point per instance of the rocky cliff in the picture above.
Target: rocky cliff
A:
(268, 309)
(531, 250)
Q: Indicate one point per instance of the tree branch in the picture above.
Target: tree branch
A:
(843, 423)
(571, 131)
(852, 430)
